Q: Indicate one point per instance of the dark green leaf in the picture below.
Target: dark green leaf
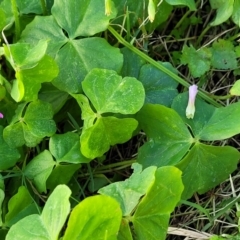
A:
(160, 88)
(80, 18)
(66, 148)
(8, 154)
(86, 54)
(39, 169)
(20, 206)
(205, 167)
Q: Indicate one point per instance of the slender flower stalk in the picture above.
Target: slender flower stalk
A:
(190, 110)
(1, 115)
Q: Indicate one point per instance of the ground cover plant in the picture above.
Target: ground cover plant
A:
(119, 119)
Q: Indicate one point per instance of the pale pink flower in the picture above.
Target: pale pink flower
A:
(1, 115)
(190, 110)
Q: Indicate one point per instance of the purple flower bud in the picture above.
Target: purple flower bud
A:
(1, 115)
(191, 101)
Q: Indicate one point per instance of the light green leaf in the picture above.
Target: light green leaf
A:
(214, 164)
(44, 28)
(224, 10)
(56, 210)
(189, 3)
(66, 148)
(197, 61)
(2, 196)
(152, 215)
(165, 146)
(87, 113)
(9, 155)
(39, 169)
(110, 92)
(47, 225)
(31, 79)
(20, 206)
(102, 212)
(235, 89)
(29, 227)
(24, 56)
(86, 54)
(107, 131)
(223, 55)
(159, 87)
(236, 13)
(80, 18)
(128, 192)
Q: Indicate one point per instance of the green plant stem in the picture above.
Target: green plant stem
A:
(44, 8)
(160, 67)
(221, 97)
(118, 164)
(16, 19)
(202, 34)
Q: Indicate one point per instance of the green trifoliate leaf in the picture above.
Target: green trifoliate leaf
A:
(30, 128)
(106, 132)
(66, 148)
(109, 92)
(87, 54)
(165, 146)
(160, 88)
(80, 18)
(25, 56)
(210, 123)
(214, 164)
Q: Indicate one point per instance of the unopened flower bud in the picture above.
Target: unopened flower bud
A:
(151, 10)
(108, 8)
(191, 101)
